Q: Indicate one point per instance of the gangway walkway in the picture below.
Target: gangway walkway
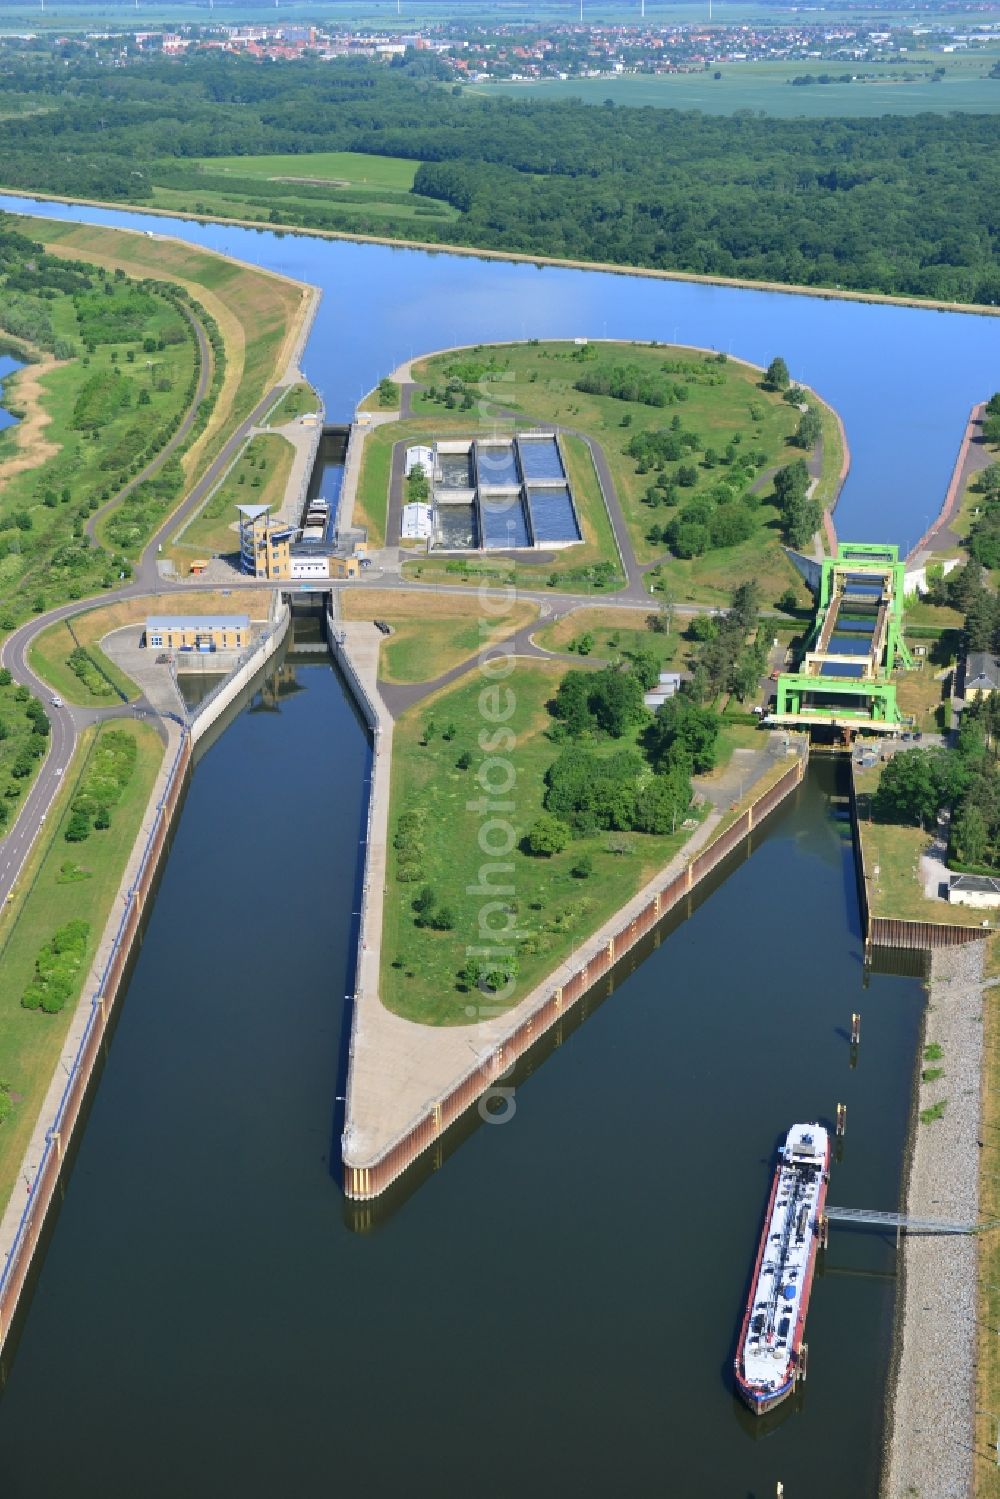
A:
(901, 1220)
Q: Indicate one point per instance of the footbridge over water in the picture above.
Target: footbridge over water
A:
(902, 1221)
(844, 680)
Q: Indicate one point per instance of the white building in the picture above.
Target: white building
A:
(418, 522)
(423, 456)
(978, 890)
(310, 567)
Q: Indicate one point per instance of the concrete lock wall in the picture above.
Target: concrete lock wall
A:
(44, 1187)
(263, 648)
(367, 1181)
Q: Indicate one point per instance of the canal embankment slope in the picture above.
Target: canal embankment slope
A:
(824, 293)
(41, 1165)
(931, 1446)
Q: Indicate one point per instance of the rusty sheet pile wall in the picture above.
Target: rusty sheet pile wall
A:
(361, 1182)
(893, 931)
(45, 1184)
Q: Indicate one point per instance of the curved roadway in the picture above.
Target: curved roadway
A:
(68, 721)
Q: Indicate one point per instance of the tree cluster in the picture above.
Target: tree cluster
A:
(898, 204)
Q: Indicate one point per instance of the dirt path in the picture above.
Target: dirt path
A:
(32, 446)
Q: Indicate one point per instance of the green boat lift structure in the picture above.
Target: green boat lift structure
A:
(844, 680)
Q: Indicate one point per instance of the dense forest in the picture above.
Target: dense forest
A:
(897, 205)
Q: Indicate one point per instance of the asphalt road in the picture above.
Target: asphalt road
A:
(68, 722)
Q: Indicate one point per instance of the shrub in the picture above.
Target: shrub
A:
(56, 968)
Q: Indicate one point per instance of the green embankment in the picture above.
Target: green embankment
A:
(63, 882)
(258, 477)
(80, 673)
(298, 400)
(554, 908)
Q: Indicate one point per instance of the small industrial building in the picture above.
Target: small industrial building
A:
(982, 675)
(667, 687)
(980, 891)
(419, 456)
(197, 632)
(418, 522)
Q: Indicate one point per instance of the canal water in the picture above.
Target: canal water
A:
(552, 1312)
(555, 1310)
(8, 366)
(902, 378)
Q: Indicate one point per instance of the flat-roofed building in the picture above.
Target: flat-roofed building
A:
(197, 632)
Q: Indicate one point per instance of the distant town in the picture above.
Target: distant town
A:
(519, 54)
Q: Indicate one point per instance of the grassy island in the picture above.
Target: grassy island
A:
(692, 443)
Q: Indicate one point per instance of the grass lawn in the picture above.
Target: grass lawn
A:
(64, 882)
(919, 612)
(431, 635)
(371, 502)
(555, 910)
(90, 419)
(258, 477)
(920, 693)
(615, 632)
(346, 168)
(724, 404)
(897, 890)
(298, 400)
(49, 657)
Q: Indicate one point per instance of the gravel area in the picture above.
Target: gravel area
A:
(930, 1446)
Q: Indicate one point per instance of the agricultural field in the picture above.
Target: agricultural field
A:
(898, 89)
(324, 189)
(339, 168)
(68, 880)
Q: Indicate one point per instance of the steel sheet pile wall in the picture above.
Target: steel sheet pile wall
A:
(893, 931)
(362, 1182)
(46, 1181)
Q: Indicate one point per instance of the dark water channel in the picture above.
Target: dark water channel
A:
(551, 1313)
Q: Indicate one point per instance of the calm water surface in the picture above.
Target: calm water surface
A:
(7, 367)
(903, 379)
(555, 1310)
(562, 1295)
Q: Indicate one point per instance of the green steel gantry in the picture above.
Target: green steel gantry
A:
(862, 693)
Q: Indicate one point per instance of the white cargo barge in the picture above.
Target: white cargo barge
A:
(770, 1358)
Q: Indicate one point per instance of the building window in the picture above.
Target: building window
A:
(156, 639)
